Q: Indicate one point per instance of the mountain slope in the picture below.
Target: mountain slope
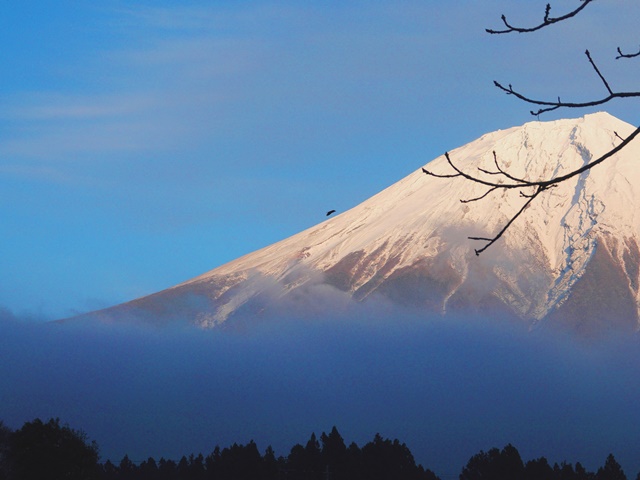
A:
(408, 244)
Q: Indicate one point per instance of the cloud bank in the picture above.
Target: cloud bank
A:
(446, 388)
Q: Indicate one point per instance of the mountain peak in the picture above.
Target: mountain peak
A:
(408, 244)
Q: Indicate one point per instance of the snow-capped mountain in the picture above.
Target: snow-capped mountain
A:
(572, 257)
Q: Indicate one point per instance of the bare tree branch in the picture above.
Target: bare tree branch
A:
(606, 84)
(491, 241)
(501, 179)
(504, 172)
(627, 55)
(593, 163)
(424, 170)
(480, 197)
(515, 182)
(549, 106)
(535, 183)
(477, 179)
(547, 20)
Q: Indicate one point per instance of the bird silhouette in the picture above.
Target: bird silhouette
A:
(330, 212)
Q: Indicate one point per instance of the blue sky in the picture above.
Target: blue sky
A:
(144, 143)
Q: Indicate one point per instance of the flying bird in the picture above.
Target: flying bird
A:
(330, 212)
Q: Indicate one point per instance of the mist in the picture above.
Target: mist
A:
(447, 387)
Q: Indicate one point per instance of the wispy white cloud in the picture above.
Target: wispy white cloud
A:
(187, 76)
(39, 172)
(164, 89)
(226, 19)
(43, 107)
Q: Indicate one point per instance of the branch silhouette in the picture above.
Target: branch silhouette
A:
(547, 20)
(501, 179)
(507, 181)
(549, 106)
(627, 55)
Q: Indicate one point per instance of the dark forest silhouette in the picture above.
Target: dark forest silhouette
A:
(41, 450)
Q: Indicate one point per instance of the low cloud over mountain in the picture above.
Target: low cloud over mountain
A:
(447, 387)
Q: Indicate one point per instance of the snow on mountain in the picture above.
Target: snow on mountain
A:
(571, 258)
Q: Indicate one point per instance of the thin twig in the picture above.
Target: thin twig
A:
(593, 163)
(491, 241)
(479, 180)
(550, 106)
(627, 55)
(597, 71)
(504, 172)
(545, 22)
(480, 197)
(437, 175)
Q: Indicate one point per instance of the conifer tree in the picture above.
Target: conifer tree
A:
(611, 470)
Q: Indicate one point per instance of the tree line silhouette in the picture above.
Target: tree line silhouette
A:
(49, 450)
